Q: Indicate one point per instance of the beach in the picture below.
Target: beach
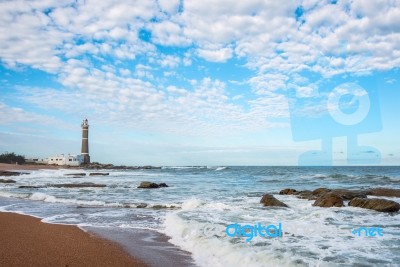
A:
(26, 241)
(15, 167)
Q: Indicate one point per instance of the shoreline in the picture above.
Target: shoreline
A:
(30, 167)
(26, 241)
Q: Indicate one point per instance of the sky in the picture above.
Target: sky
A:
(211, 82)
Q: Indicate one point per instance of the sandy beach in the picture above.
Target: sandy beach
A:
(26, 241)
(14, 167)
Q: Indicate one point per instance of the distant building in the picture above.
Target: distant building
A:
(35, 160)
(69, 160)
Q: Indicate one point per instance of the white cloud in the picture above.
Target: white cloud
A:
(219, 55)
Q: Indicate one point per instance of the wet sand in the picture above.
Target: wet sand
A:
(26, 241)
(14, 167)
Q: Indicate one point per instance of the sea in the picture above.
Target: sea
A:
(200, 202)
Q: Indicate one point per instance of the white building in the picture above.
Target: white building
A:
(35, 160)
(70, 160)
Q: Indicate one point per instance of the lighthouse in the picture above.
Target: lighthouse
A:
(85, 142)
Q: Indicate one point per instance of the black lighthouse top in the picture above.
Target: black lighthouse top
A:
(85, 123)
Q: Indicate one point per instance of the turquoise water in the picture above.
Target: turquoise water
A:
(201, 201)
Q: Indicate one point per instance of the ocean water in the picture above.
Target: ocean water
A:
(201, 201)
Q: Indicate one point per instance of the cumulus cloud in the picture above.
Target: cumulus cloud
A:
(121, 57)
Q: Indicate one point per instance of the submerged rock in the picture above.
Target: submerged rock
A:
(378, 204)
(271, 201)
(8, 173)
(149, 185)
(77, 185)
(30, 186)
(99, 174)
(330, 199)
(7, 181)
(75, 174)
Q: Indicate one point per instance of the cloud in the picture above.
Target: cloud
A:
(219, 55)
(132, 61)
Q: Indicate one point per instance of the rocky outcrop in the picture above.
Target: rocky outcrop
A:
(320, 191)
(99, 174)
(8, 173)
(288, 191)
(80, 185)
(384, 192)
(347, 194)
(7, 181)
(330, 199)
(270, 201)
(378, 204)
(149, 185)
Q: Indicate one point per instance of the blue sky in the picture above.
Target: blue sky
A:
(202, 82)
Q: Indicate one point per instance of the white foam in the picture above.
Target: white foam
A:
(190, 204)
(217, 251)
(52, 199)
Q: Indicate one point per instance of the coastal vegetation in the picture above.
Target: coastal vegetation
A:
(12, 158)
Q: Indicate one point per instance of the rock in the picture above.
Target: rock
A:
(148, 185)
(328, 200)
(377, 204)
(287, 191)
(77, 185)
(99, 174)
(7, 181)
(271, 201)
(8, 173)
(306, 194)
(384, 192)
(141, 206)
(347, 194)
(320, 191)
(75, 174)
(29, 186)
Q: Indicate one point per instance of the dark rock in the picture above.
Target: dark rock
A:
(75, 174)
(306, 194)
(148, 185)
(329, 199)
(77, 185)
(99, 174)
(271, 201)
(347, 194)
(8, 173)
(287, 191)
(384, 192)
(141, 206)
(377, 204)
(7, 181)
(29, 186)
(320, 191)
